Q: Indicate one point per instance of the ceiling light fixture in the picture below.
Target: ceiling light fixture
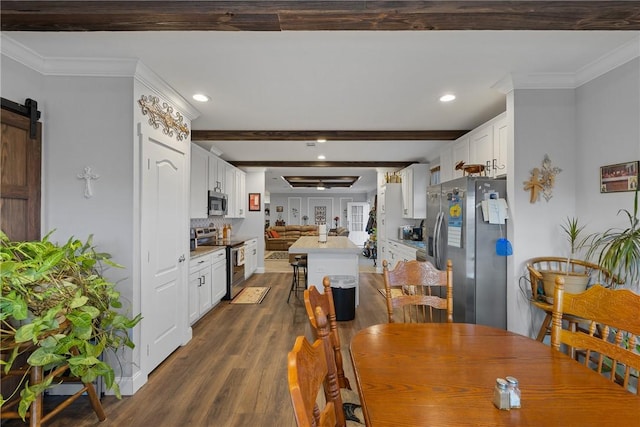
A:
(447, 98)
(200, 97)
(321, 157)
(321, 140)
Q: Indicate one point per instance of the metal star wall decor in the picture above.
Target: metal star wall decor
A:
(542, 180)
(163, 116)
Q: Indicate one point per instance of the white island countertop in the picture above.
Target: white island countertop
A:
(337, 257)
(334, 244)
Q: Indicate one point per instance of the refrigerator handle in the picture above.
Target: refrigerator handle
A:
(436, 243)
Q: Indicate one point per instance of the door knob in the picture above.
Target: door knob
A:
(182, 258)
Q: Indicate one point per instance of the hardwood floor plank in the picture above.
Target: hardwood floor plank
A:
(233, 372)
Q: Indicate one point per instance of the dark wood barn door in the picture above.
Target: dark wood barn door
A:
(20, 176)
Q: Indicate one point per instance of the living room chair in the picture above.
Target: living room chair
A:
(608, 334)
(313, 300)
(536, 267)
(417, 279)
(310, 368)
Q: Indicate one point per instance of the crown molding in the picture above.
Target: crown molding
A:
(595, 69)
(97, 67)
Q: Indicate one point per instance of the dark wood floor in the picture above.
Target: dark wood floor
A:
(233, 371)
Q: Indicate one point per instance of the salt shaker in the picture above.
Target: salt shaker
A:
(501, 395)
(514, 392)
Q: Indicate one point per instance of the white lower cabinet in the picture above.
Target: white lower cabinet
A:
(251, 257)
(207, 283)
(199, 287)
(218, 276)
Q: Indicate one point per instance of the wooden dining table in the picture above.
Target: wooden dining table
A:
(443, 374)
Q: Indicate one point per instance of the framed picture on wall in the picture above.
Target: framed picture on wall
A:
(619, 177)
(254, 202)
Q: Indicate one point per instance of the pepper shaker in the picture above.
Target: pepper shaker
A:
(501, 395)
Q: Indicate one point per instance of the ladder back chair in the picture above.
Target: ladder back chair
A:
(608, 334)
(312, 300)
(535, 266)
(310, 369)
(416, 279)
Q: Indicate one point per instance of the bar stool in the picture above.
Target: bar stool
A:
(295, 281)
(302, 262)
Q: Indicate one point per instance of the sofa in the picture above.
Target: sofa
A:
(280, 237)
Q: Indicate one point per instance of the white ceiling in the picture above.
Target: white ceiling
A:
(340, 80)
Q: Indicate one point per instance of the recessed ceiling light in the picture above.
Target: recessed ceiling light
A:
(200, 97)
(447, 98)
(321, 157)
(321, 140)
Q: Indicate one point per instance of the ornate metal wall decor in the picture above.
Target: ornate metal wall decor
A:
(163, 116)
(542, 180)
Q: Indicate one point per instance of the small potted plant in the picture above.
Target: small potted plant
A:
(575, 282)
(58, 309)
(336, 221)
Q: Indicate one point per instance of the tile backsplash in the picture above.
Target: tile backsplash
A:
(208, 222)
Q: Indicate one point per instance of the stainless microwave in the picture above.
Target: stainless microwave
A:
(217, 203)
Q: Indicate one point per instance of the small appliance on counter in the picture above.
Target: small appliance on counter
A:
(404, 232)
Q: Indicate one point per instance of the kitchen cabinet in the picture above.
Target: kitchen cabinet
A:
(446, 164)
(414, 191)
(218, 276)
(389, 218)
(217, 172)
(460, 153)
(236, 192)
(488, 146)
(200, 294)
(399, 252)
(199, 183)
(251, 257)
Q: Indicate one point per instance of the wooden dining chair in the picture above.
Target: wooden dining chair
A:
(312, 300)
(416, 279)
(536, 266)
(310, 369)
(608, 334)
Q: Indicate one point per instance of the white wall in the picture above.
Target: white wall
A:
(543, 123)
(608, 123)
(308, 201)
(581, 129)
(253, 223)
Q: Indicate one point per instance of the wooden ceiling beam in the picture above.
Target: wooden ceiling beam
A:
(331, 135)
(309, 164)
(248, 15)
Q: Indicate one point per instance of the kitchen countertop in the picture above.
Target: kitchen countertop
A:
(218, 244)
(205, 250)
(415, 244)
(334, 244)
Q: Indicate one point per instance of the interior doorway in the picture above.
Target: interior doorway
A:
(357, 217)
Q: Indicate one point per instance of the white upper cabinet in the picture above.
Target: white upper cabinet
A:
(414, 191)
(217, 168)
(236, 198)
(446, 164)
(199, 183)
(488, 146)
(460, 153)
(485, 145)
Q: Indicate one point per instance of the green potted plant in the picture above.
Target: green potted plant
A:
(575, 282)
(57, 308)
(617, 249)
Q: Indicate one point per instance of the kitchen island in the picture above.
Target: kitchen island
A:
(338, 256)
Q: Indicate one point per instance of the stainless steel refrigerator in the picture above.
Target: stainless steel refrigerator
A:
(456, 230)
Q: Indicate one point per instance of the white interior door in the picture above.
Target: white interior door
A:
(163, 287)
(357, 217)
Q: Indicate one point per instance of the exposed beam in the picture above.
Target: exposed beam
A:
(348, 164)
(176, 15)
(333, 135)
